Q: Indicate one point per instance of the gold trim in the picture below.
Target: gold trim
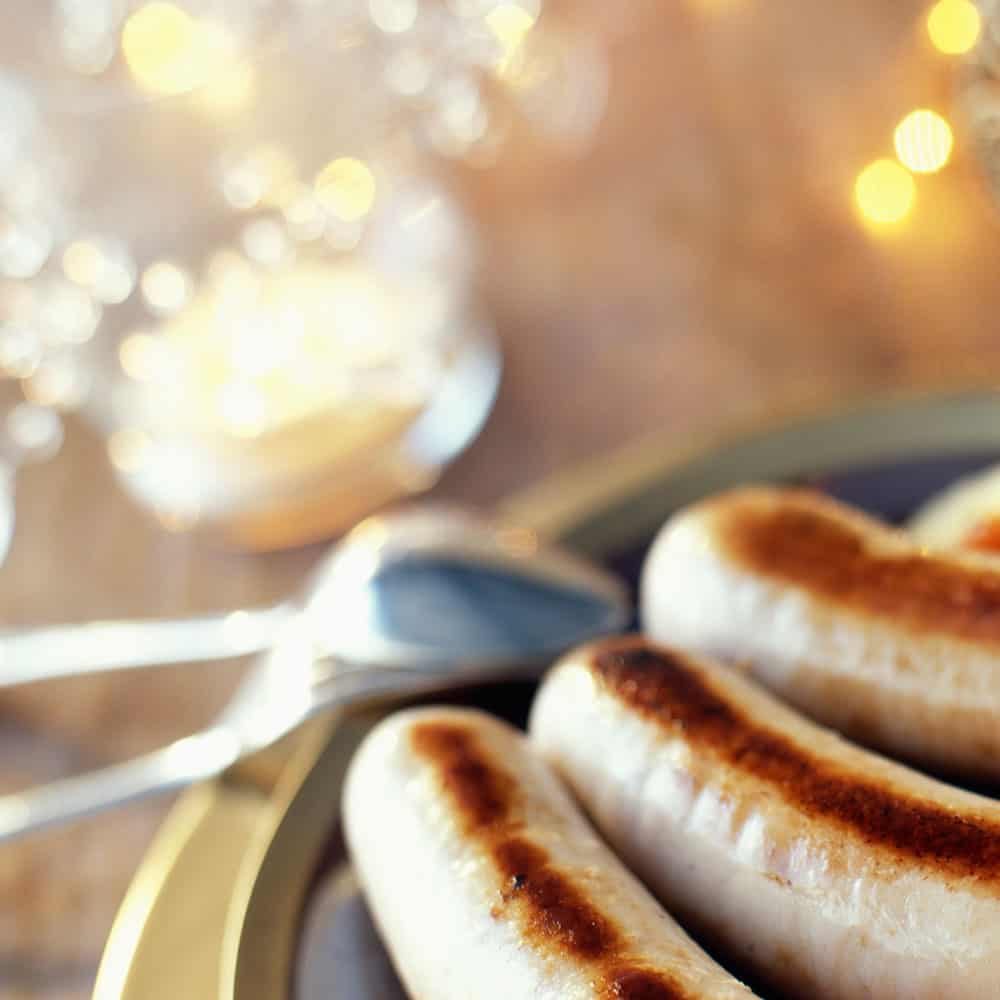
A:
(309, 804)
(133, 916)
(149, 955)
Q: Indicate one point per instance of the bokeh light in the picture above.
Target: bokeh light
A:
(510, 24)
(393, 16)
(885, 192)
(170, 52)
(165, 287)
(954, 26)
(57, 382)
(66, 313)
(346, 187)
(143, 356)
(923, 141)
(83, 262)
(36, 430)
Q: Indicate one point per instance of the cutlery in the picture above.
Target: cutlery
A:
(424, 600)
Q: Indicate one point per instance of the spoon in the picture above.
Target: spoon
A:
(429, 599)
(415, 543)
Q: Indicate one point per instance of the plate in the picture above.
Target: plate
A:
(248, 883)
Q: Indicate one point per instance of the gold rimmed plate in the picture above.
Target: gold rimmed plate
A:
(247, 893)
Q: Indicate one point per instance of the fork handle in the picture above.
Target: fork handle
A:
(195, 758)
(28, 655)
(176, 765)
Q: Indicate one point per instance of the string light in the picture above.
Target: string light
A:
(82, 262)
(165, 287)
(885, 192)
(510, 24)
(170, 52)
(346, 188)
(954, 26)
(923, 141)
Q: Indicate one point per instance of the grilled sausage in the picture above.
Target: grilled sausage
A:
(834, 873)
(841, 615)
(486, 882)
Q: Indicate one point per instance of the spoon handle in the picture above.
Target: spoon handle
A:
(37, 654)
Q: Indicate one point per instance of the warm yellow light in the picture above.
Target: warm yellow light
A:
(266, 242)
(170, 52)
(346, 187)
(954, 26)
(510, 24)
(83, 263)
(165, 286)
(923, 141)
(101, 267)
(884, 192)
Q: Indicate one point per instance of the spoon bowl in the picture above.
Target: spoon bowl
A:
(440, 588)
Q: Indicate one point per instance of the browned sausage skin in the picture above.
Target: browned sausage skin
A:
(846, 618)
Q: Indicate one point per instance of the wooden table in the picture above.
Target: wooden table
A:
(700, 265)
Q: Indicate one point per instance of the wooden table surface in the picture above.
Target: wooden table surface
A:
(700, 265)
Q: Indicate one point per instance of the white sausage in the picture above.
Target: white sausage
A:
(835, 873)
(486, 882)
(844, 617)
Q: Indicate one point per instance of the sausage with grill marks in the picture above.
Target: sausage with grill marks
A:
(486, 882)
(834, 873)
(846, 618)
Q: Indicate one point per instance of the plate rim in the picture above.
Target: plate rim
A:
(595, 506)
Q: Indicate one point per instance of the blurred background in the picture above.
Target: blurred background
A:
(265, 267)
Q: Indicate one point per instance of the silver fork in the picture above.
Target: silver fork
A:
(282, 690)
